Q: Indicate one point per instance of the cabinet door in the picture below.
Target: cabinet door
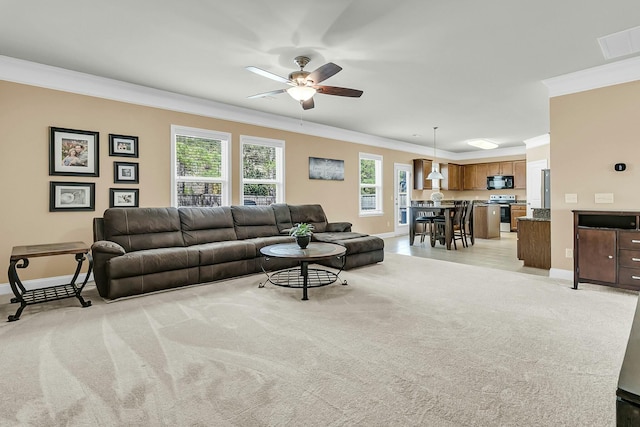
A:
(469, 177)
(597, 255)
(454, 177)
(517, 211)
(520, 174)
(493, 169)
(421, 169)
(506, 168)
(481, 177)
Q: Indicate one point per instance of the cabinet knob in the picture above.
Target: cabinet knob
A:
(610, 257)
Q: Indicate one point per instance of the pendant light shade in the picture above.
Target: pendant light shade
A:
(434, 173)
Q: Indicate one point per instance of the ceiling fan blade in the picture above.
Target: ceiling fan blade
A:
(262, 95)
(308, 104)
(269, 75)
(339, 91)
(324, 72)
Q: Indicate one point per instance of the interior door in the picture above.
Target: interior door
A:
(402, 197)
(534, 184)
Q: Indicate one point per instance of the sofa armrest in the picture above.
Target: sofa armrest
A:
(102, 251)
(338, 226)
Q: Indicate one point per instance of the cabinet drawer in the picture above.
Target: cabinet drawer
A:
(629, 276)
(629, 240)
(629, 258)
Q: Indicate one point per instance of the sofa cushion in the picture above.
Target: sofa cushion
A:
(311, 214)
(354, 242)
(221, 252)
(254, 221)
(152, 261)
(283, 216)
(138, 229)
(206, 225)
(261, 242)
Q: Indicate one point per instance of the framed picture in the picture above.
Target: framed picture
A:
(71, 196)
(125, 173)
(123, 146)
(123, 198)
(73, 152)
(328, 169)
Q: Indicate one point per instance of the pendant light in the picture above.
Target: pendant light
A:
(434, 173)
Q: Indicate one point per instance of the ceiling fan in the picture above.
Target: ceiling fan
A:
(305, 84)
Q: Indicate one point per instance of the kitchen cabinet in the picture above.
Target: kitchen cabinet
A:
(486, 221)
(499, 168)
(422, 169)
(469, 180)
(516, 212)
(534, 242)
(453, 177)
(481, 177)
(606, 248)
(520, 174)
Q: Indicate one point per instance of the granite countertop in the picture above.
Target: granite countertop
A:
(529, 218)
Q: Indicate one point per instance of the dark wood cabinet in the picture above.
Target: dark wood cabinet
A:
(534, 243)
(469, 181)
(421, 170)
(520, 174)
(607, 248)
(453, 177)
(486, 221)
(516, 212)
(499, 168)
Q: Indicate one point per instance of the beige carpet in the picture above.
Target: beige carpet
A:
(408, 342)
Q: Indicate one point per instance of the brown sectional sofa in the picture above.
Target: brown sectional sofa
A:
(140, 250)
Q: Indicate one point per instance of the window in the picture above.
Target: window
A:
(200, 167)
(370, 184)
(262, 164)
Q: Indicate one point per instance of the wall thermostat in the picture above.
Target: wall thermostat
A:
(620, 167)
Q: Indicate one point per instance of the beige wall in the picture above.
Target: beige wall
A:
(27, 112)
(590, 132)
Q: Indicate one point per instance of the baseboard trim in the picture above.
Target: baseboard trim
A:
(5, 288)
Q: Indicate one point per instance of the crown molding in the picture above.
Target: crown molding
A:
(614, 73)
(46, 76)
(537, 141)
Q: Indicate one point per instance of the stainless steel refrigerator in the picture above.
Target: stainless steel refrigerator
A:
(546, 188)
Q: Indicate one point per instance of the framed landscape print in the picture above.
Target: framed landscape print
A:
(71, 196)
(123, 146)
(329, 169)
(125, 173)
(123, 198)
(73, 152)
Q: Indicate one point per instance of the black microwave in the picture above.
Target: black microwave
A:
(499, 182)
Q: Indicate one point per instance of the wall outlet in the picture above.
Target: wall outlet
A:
(568, 253)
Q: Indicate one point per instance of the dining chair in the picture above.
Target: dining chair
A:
(425, 220)
(457, 225)
(467, 227)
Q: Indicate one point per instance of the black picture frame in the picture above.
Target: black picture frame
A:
(72, 196)
(74, 152)
(123, 145)
(125, 173)
(124, 197)
(326, 169)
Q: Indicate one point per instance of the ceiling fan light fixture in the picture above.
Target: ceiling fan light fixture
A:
(485, 144)
(301, 93)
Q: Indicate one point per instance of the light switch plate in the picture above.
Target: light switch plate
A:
(603, 198)
(571, 198)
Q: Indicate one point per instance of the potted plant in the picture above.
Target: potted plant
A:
(302, 232)
(437, 197)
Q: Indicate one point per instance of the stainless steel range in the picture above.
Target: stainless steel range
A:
(504, 200)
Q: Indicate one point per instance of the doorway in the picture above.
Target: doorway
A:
(402, 197)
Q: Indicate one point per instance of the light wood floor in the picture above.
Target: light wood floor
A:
(493, 253)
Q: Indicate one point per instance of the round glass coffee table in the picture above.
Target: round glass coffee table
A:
(303, 276)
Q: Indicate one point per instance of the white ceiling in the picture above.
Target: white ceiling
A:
(473, 68)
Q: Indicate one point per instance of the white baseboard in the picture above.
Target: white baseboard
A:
(5, 288)
(556, 273)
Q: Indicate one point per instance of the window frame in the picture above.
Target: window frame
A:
(225, 166)
(378, 184)
(280, 165)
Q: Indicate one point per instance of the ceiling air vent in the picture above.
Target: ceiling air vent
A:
(619, 44)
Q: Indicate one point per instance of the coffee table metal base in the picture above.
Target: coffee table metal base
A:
(295, 278)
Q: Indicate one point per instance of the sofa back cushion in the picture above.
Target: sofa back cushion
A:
(206, 225)
(283, 216)
(311, 214)
(137, 229)
(254, 221)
